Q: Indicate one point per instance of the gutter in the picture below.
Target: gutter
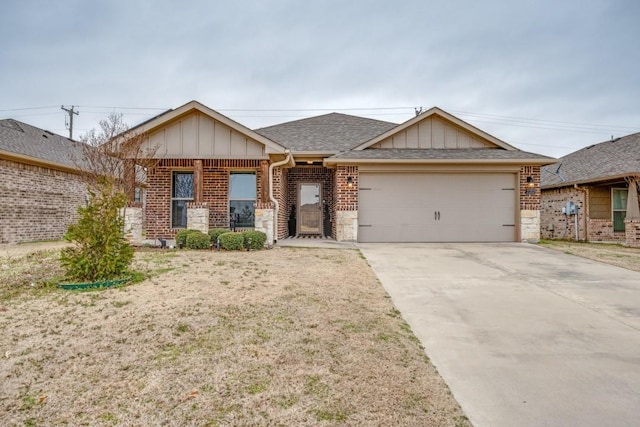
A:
(287, 160)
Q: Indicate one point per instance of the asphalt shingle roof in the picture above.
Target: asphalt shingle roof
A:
(26, 140)
(608, 159)
(441, 154)
(329, 133)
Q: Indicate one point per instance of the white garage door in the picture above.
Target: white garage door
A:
(422, 207)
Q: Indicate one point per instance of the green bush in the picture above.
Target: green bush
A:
(214, 233)
(232, 241)
(100, 250)
(257, 239)
(181, 237)
(198, 240)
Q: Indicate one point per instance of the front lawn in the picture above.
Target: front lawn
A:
(289, 336)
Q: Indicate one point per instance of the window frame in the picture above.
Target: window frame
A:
(174, 199)
(243, 199)
(614, 210)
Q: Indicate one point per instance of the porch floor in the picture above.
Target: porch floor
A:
(314, 241)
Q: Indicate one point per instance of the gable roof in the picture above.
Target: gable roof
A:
(23, 142)
(328, 133)
(435, 111)
(170, 115)
(599, 162)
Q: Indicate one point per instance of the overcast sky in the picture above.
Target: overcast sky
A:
(546, 76)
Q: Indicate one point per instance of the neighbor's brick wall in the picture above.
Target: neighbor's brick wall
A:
(280, 176)
(37, 203)
(556, 225)
(311, 174)
(215, 191)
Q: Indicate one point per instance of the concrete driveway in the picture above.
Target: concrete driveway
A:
(523, 335)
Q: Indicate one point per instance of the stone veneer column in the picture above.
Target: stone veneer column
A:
(198, 217)
(632, 232)
(529, 225)
(133, 221)
(264, 223)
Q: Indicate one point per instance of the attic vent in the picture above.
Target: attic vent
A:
(44, 136)
(49, 132)
(591, 146)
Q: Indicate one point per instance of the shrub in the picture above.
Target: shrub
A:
(181, 237)
(198, 240)
(100, 250)
(257, 239)
(214, 233)
(232, 241)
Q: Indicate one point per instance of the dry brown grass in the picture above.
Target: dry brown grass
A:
(617, 255)
(291, 337)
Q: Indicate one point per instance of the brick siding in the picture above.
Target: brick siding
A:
(310, 174)
(37, 203)
(215, 191)
(553, 223)
(530, 196)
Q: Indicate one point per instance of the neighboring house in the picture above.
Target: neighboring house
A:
(40, 187)
(434, 178)
(601, 181)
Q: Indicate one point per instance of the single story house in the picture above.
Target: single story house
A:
(40, 184)
(434, 178)
(601, 180)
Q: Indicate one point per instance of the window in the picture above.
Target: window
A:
(137, 197)
(181, 194)
(619, 208)
(242, 197)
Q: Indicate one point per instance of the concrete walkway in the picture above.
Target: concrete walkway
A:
(524, 336)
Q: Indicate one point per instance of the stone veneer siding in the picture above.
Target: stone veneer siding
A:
(346, 204)
(530, 204)
(38, 203)
(215, 191)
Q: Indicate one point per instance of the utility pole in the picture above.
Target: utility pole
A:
(71, 113)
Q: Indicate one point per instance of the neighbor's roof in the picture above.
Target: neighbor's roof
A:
(29, 143)
(442, 155)
(607, 160)
(329, 133)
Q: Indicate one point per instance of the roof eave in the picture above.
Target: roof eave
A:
(521, 162)
(588, 181)
(20, 158)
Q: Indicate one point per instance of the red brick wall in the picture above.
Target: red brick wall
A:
(215, 192)
(310, 174)
(553, 223)
(346, 197)
(37, 203)
(530, 201)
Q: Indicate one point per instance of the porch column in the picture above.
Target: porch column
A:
(130, 179)
(633, 210)
(632, 220)
(264, 181)
(197, 181)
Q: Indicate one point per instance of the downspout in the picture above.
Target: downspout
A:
(276, 205)
(584, 214)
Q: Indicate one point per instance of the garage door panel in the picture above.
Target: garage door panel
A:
(437, 207)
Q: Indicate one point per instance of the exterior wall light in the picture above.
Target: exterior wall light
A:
(349, 181)
(530, 182)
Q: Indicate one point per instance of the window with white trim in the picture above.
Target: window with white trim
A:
(242, 198)
(619, 207)
(181, 194)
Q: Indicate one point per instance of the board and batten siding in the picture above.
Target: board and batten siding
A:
(433, 132)
(198, 136)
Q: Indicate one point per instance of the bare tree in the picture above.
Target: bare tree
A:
(117, 153)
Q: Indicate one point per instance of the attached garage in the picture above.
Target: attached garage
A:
(437, 207)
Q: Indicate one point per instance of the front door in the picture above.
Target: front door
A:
(309, 209)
